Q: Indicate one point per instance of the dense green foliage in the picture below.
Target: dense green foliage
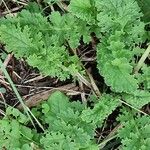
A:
(68, 126)
(135, 133)
(49, 43)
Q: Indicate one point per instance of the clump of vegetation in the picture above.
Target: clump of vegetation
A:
(49, 43)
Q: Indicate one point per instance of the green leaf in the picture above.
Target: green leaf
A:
(144, 78)
(27, 132)
(33, 7)
(120, 23)
(64, 117)
(52, 66)
(135, 133)
(45, 108)
(138, 99)
(83, 9)
(57, 141)
(31, 36)
(144, 5)
(17, 114)
(117, 74)
(105, 106)
(117, 14)
(58, 102)
(10, 135)
(33, 19)
(26, 147)
(18, 40)
(67, 27)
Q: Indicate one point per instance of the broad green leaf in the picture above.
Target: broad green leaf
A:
(58, 102)
(117, 74)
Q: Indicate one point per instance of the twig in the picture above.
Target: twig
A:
(1, 95)
(81, 78)
(84, 100)
(35, 79)
(38, 98)
(6, 7)
(88, 59)
(141, 61)
(133, 107)
(12, 10)
(102, 144)
(7, 60)
(2, 112)
(62, 5)
(94, 86)
(20, 2)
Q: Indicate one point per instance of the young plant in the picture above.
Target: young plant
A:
(49, 43)
(69, 125)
